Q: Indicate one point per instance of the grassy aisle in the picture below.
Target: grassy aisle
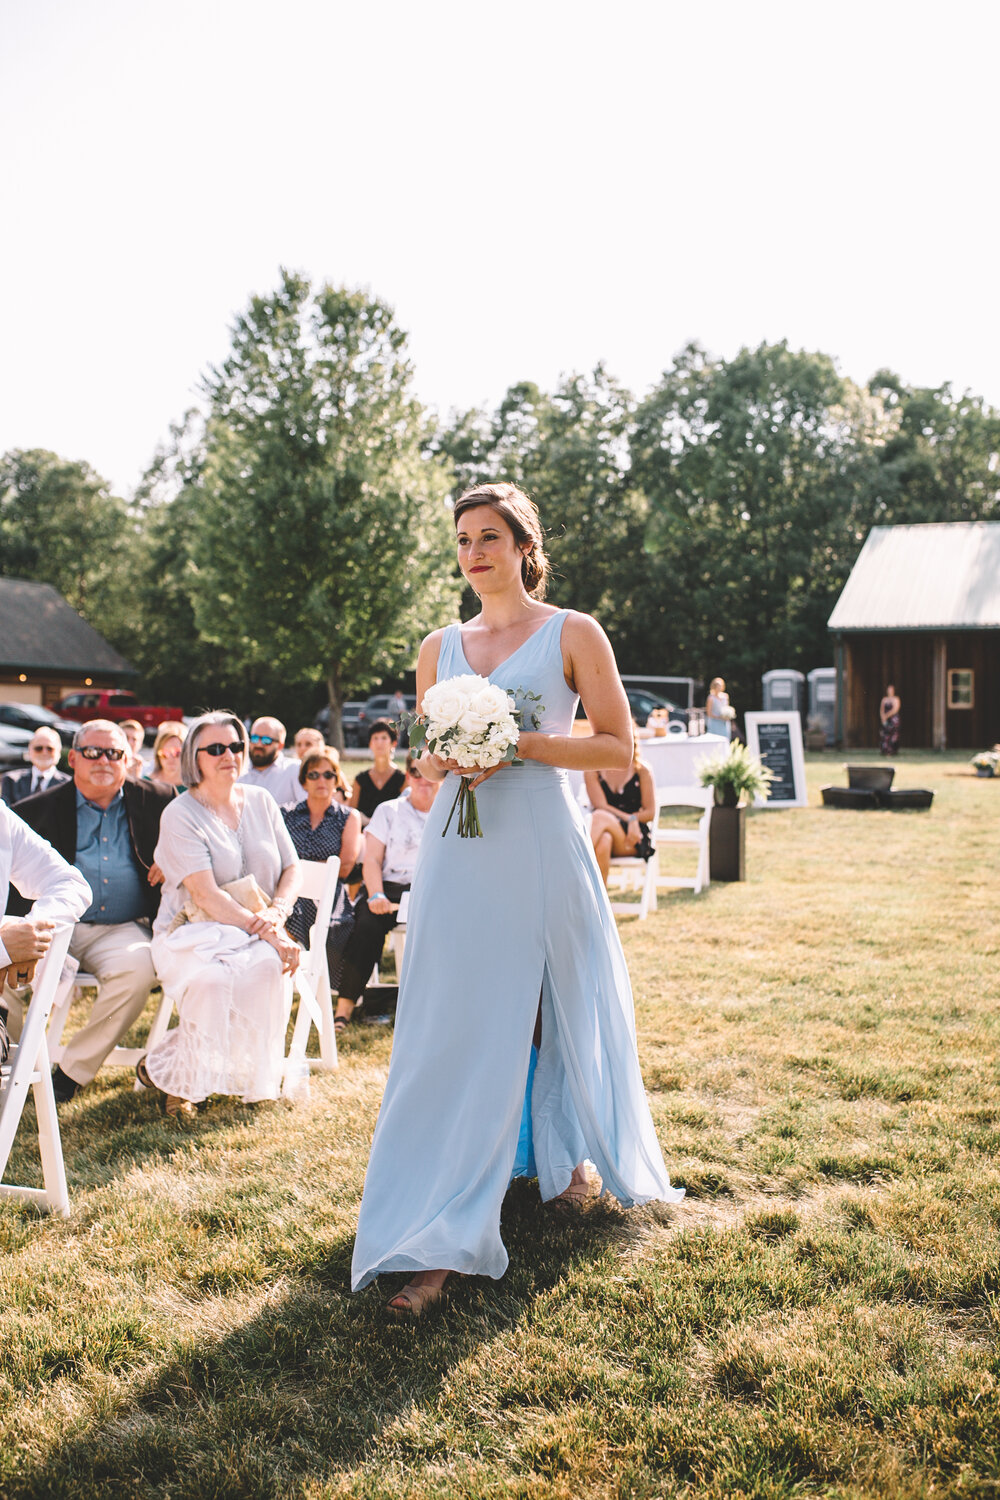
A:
(820, 1316)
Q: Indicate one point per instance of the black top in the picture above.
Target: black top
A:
(629, 799)
(371, 795)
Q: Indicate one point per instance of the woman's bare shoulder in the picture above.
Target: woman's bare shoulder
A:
(581, 631)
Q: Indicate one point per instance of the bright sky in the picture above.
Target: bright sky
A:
(533, 186)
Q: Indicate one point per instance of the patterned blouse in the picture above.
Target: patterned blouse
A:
(318, 844)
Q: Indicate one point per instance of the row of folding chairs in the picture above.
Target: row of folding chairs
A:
(644, 876)
(58, 981)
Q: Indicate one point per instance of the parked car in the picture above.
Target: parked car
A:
(32, 716)
(115, 705)
(380, 707)
(642, 702)
(14, 747)
(349, 723)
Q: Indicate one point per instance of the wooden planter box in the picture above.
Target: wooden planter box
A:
(727, 844)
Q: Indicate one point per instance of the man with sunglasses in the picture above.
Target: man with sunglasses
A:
(107, 826)
(269, 767)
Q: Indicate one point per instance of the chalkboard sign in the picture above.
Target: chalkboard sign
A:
(777, 738)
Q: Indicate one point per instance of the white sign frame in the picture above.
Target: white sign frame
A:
(793, 719)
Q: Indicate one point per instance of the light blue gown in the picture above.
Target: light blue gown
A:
(492, 923)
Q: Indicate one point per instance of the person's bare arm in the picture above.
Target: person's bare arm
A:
(647, 790)
(350, 843)
(592, 670)
(432, 766)
(219, 905)
(372, 868)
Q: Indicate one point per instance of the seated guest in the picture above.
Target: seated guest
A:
(624, 804)
(220, 958)
(391, 843)
(384, 781)
(306, 740)
(269, 767)
(166, 770)
(320, 828)
(59, 894)
(107, 827)
(136, 736)
(44, 750)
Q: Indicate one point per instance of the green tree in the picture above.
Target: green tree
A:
(321, 538)
(759, 475)
(569, 451)
(60, 524)
(939, 454)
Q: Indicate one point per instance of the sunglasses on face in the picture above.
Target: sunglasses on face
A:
(321, 775)
(236, 748)
(263, 739)
(94, 752)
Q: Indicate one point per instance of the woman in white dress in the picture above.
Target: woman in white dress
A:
(510, 937)
(224, 968)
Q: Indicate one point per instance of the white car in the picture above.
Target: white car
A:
(14, 746)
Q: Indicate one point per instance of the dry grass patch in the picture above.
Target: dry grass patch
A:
(819, 1317)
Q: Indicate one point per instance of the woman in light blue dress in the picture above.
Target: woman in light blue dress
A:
(510, 938)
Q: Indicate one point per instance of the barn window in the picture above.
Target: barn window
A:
(961, 681)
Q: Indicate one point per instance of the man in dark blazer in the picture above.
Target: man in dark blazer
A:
(43, 773)
(107, 826)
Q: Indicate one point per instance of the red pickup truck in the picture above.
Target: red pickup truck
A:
(113, 705)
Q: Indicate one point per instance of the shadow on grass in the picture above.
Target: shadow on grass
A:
(305, 1390)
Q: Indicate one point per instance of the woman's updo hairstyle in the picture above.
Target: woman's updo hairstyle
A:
(521, 515)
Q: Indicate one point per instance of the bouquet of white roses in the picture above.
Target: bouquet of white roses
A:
(470, 720)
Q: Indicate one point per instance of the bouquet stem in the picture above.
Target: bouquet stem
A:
(469, 826)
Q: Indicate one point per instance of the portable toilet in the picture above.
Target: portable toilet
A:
(783, 690)
(823, 699)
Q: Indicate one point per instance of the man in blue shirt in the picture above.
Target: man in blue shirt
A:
(107, 827)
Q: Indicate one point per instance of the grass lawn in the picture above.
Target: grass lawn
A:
(819, 1316)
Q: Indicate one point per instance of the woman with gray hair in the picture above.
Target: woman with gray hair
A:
(219, 942)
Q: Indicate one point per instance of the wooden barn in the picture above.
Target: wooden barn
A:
(47, 649)
(921, 610)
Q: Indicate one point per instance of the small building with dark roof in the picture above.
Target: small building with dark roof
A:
(921, 610)
(48, 650)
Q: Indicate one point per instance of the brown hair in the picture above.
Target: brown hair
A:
(521, 515)
(328, 757)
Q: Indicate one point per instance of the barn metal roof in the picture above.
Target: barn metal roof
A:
(40, 631)
(944, 576)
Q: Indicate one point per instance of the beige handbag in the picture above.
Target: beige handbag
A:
(245, 890)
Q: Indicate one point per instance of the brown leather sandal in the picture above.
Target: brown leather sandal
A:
(415, 1301)
(579, 1196)
(176, 1107)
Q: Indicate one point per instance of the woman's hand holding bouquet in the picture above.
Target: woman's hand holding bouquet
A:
(471, 727)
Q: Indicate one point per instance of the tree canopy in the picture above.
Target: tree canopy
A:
(295, 531)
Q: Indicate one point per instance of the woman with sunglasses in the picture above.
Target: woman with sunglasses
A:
(221, 961)
(320, 828)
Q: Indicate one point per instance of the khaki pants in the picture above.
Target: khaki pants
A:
(118, 957)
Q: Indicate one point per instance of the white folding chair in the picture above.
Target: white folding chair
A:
(684, 796)
(643, 875)
(29, 1064)
(311, 981)
(71, 985)
(628, 873)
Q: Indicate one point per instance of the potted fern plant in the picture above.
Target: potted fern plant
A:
(736, 777)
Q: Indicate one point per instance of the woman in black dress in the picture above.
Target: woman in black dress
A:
(624, 804)
(385, 780)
